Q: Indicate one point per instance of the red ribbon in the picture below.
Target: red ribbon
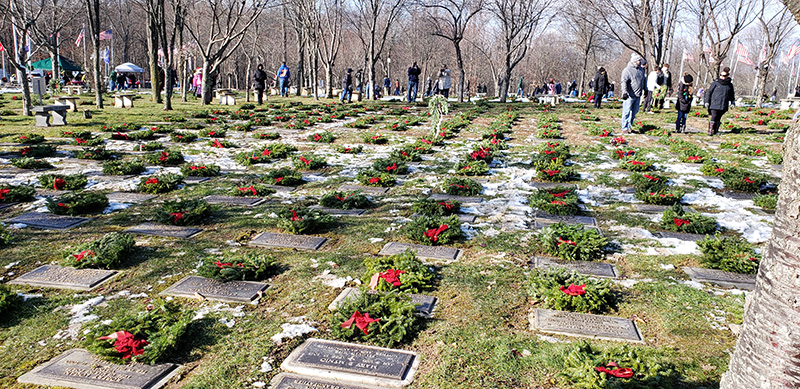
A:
(250, 188)
(636, 162)
(694, 158)
(433, 233)
(3, 193)
(266, 152)
(557, 202)
(649, 177)
(59, 183)
(619, 373)
(83, 254)
(426, 141)
(551, 172)
(361, 321)
(390, 168)
(306, 161)
(391, 276)
(317, 137)
(719, 170)
(279, 179)
(560, 194)
(748, 180)
(63, 205)
(574, 290)
(374, 180)
(126, 344)
(294, 217)
(176, 216)
(79, 141)
(151, 181)
(681, 222)
(217, 144)
(446, 205)
(164, 156)
(561, 241)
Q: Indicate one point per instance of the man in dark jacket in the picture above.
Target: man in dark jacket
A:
(797, 91)
(347, 85)
(600, 85)
(260, 83)
(718, 96)
(684, 103)
(413, 82)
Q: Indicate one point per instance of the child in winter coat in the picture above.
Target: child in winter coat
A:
(684, 103)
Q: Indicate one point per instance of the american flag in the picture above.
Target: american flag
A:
(763, 56)
(80, 37)
(793, 51)
(688, 56)
(106, 35)
(746, 60)
(741, 51)
(2, 48)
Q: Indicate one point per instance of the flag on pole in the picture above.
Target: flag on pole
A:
(106, 35)
(741, 51)
(687, 56)
(80, 37)
(746, 60)
(793, 51)
(2, 48)
(105, 56)
(785, 59)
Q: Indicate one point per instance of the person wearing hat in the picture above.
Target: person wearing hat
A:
(718, 96)
(600, 83)
(260, 83)
(684, 103)
(632, 85)
(347, 85)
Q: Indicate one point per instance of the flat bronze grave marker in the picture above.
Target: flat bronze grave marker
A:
(130, 197)
(48, 221)
(300, 242)
(462, 199)
(339, 212)
(546, 219)
(164, 230)
(738, 195)
(191, 180)
(363, 188)
(64, 277)
(296, 381)
(7, 205)
(78, 368)
(585, 325)
(425, 252)
(722, 278)
(551, 185)
(235, 200)
(598, 269)
(354, 363)
(680, 235)
(231, 291)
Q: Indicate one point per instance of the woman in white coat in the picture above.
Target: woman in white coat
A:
(444, 81)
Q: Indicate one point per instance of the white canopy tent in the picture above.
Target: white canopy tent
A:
(128, 67)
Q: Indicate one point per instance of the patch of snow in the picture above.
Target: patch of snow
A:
(297, 326)
(733, 214)
(332, 280)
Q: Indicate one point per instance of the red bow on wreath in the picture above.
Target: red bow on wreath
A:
(374, 180)
(560, 194)
(551, 172)
(217, 144)
(619, 372)
(164, 156)
(636, 162)
(126, 344)
(294, 217)
(83, 254)
(390, 168)
(433, 233)
(151, 181)
(392, 276)
(561, 241)
(251, 189)
(574, 290)
(558, 202)
(681, 222)
(3, 193)
(446, 205)
(279, 179)
(59, 183)
(361, 321)
(176, 216)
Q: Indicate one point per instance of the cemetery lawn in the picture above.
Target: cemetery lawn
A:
(480, 336)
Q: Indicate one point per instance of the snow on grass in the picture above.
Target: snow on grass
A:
(733, 214)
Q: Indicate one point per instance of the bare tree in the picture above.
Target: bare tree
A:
(450, 19)
(720, 22)
(16, 13)
(373, 20)
(171, 37)
(587, 36)
(329, 19)
(517, 20)
(57, 14)
(93, 15)
(776, 25)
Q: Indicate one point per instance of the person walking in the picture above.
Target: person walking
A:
(396, 87)
(684, 103)
(387, 85)
(112, 80)
(197, 81)
(600, 86)
(718, 96)
(651, 84)
(413, 82)
(260, 83)
(632, 84)
(521, 87)
(551, 87)
(445, 82)
(428, 87)
(663, 86)
(347, 86)
(283, 79)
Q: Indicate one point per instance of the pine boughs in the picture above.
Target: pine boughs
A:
(63, 181)
(200, 170)
(38, 151)
(30, 163)
(435, 230)
(744, 181)
(769, 201)
(266, 135)
(556, 201)
(458, 186)
(345, 200)
(303, 220)
(663, 196)
(149, 146)
(567, 291)
(183, 137)
(213, 132)
(377, 179)
(405, 153)
(250, 266)
(395, 324)
(278, 150)
(636, 164)
(95, 153)
(309, 162)
(8, 300)
(731, 254)
(573, 242)
(284, 177)
(556, 171)
(348, 149)
(322, 137)
(390, 165)
(252, 189)
(16, 193)
(172, 157)
(108, 252)
(221, 144)
(416, 277)
(78, 203)
(183, 212)
(5, 239)
(160, 184)
(471, 168)
(30, 139)
(676, 219)
(123, 168)
(146, 336)
(580, 369)
(375, 139)
(428, 207)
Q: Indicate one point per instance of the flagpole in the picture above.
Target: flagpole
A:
(83, 32)
(733, 57)
(683, 57)
(789, 81)
(758, 67)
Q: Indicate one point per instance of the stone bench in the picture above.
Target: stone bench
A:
(123, 100)
(548, 99)
(42, 114)
(227, 98)
(219, 92)
(71, 102)
(73, 89)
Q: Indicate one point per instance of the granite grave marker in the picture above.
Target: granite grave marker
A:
(231, 291)
(424, 252)
(585, 325)
(164, 230)
(64, 277)
(300, 242)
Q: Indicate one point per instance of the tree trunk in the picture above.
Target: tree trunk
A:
(767, 353)
(461, 72)
(168, 83)
(246, 81)
(93, 13)
(329, 80)
(55, 67)
(504, 84)
(152, 48)
(207, 87)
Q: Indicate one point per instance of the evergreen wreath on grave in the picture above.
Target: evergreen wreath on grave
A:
(397, 125)
(213, 132)
(432, 140)
(30, 139)
(364, 122)
(613, 368)
(303, 220)
(732, 254)
(556, 201)
(568, 291)
(676, 219)
(322, 137)
(253, 158)
(348, 149)
(221, 144)
(244, 127)
(548, 131)
(160, 184)
(641, 127)
(768, 201)
(751, 150)
(716, 169)
(421, 146)
(85, 134)
(278, 150)
(171, 157)
(108, 252)
(774, 158)
(650, 182)
(573, 242)
(636, 164)
(662, 196)
(200, 170)
(480, 154)
(87, 142)
(459, 186)
(402, 272)
(266, 135)
(435, 230)
(78, 203)
(309, 162)
(251, 266)
(162, 129)
(16, 193)
(8, 300)
(405, 153)
(744, 181)
(471, 168)
(30, 163)
(375, 139)
(38, 151)
(624, 154)
(252, 189)
(120, 127)
(63, 181)
(595, 129)
(284, 177)
(149, 146)
(376, 178)
(148, 134)
(618, 141)
(429, 207)
(345, 200)
(381, 319)
(98, 153)
(390, 165)
(5, 239)
(660, 131)
(146, 336)
(183, 212)
(693, 155)
(557, 172)
(183, 137)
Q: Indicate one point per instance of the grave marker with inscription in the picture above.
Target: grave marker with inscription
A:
(299, 242)
(547, 219)
(62, 277)
(129, 197)
(462, 199)
(680, 235)
(191, 180)
(339, 212)
(78, 368)
(164, 230)
(597, 269)
(425, 305)
(48, 221)
(231, 291)
(366, 189)
(551, 185)
(354, 363)
(234, 200)
(296, 381)
(424, 252)
(585, 325)
(722, 278)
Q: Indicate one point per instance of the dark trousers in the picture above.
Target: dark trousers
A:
(597, 100)
(648, 101)
(260, 97)
(680, 123)
(445, 93)
(715, 118)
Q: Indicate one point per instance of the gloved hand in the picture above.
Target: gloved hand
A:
(624, 96)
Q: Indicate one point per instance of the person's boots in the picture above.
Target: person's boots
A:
(710, 128)
(716, 127)
(677, 127)
(683, 127)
